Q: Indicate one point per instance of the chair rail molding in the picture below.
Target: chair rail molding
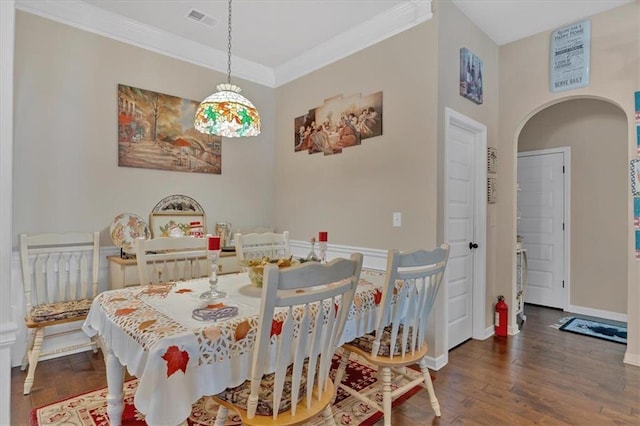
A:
(375, 259)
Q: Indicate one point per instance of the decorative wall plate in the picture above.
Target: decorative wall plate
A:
(180, 203)
(126, 227)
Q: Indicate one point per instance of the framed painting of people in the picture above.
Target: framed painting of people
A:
(340, 122)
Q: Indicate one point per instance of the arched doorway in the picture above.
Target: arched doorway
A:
(595, 130)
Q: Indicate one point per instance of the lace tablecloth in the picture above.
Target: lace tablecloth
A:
(178, 358)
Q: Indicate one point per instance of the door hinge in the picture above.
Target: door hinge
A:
(562, 169)
(563, 226)
(562, 283)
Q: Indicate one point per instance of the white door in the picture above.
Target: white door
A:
(541, 211)
(465, 213)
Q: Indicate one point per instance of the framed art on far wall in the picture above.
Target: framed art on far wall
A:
(155, 131)
(471, 72)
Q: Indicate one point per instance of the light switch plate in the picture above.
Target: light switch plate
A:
(397, 219)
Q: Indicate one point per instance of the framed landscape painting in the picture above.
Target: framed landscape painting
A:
(155, 131)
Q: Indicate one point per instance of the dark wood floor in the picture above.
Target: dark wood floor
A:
(541, 376)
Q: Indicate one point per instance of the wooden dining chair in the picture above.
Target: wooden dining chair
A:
(167, 259)
(259, 245)
(60, 279)
(302, 314)
(411, 285)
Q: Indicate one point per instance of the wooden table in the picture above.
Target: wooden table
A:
(177, 359)
(124, 272)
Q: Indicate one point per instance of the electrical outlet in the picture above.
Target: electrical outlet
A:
(397, 219)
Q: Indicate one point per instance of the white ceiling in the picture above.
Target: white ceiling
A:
(269, 32)
(275, 41)
(505, 21)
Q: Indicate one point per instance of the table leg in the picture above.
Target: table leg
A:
(115, 393)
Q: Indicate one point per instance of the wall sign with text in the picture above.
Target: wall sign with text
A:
(570, 57)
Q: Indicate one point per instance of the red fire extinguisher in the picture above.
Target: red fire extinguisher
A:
(501, 317)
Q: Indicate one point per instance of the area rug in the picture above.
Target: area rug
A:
(611, 332)
(90, 409)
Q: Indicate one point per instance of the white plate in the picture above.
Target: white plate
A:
(126, 227)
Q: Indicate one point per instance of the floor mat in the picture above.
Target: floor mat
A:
(600, 330)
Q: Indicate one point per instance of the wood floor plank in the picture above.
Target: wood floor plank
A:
(541, 376)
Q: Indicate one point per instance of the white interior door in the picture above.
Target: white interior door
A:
(541, 208)
(465, 215)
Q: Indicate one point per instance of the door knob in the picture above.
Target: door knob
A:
(473, 245)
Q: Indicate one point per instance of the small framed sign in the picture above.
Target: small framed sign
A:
(637, 100)
(492, 190)
(635, 177)
(492, 159)
(570, 57)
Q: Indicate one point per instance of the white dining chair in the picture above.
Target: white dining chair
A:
(302, 314)
(162, 260)
(411, 284)
(60, 279)
(259, 245)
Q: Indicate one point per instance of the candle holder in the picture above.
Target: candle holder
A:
(322, 245)
(214, 292)
(312, 256)
(322, 249)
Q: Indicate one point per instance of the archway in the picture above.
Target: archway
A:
(596, 132)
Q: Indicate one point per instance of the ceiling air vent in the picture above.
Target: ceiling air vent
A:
(194, 15)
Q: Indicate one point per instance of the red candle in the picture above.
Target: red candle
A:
(322, 236)
(214, 242)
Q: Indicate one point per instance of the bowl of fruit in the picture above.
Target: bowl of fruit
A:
(255, 267)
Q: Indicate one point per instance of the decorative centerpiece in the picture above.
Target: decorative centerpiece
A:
(255, 267)
(213, 248)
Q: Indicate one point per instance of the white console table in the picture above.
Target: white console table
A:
(124, 272)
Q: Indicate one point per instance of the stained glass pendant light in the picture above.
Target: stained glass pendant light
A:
(226, 112)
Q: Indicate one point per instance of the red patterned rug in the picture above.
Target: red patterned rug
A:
(90, 409)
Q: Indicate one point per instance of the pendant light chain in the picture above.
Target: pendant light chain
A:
(229, 47)
(226, 112)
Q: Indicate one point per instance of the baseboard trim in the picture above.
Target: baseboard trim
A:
(598, 313)
(631, 359)
(488, 332)
(438, 362)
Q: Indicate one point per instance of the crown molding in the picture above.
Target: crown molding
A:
(87, 17)
(381, 27)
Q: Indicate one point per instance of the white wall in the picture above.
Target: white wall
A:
(66, 174)
(524, 91)
(596, 132)
(7, 321)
